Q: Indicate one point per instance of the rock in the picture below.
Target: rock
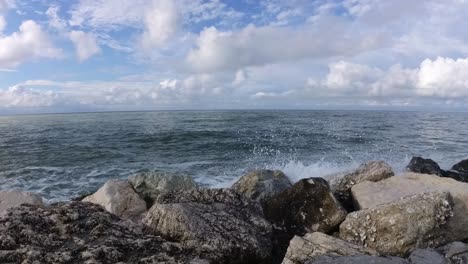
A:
(371, 171)
(399, 227)
(459, 171)
(12, 198)
(455, 253)
(424, 166)
(79, 232)
(150, 184)
(426, 256)
(262, 184)
(308, 206)
(369, 194)
(356, 260)
(461, 166)
(315, 244)
(456, 175)
(119, 198)
(221, 224)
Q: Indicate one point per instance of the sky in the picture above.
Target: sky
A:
(118, 55)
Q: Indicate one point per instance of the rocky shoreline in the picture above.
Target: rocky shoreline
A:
(368, 215)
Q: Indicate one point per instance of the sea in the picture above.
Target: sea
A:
(61, 156)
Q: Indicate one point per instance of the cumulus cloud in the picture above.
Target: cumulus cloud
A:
(443, 77)
(166, 93)
(161, 22)
(439, 78)
(17, 96)
(255, 46)
(85, 44)
(28, 43)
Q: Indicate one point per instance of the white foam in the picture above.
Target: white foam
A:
(297, 170)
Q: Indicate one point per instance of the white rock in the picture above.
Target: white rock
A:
(397, 228)
(12, 198)
(370, 194)
(119, 198)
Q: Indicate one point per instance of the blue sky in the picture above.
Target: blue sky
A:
(102, 55)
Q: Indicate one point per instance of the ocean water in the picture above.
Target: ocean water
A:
(63, 155)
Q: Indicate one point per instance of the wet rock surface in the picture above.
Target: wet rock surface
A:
(308, 206)
(262, 184)
(424, 166)
(458, 171)
(80, 232)
(399, 227)
(372, 171)
(220, 224)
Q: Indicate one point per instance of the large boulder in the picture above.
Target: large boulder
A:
(12, 198)
(399, 227)
(78, 232)
(316, 244)
(223, 225)
(370, 194)
(119, 198)
(149, 185)
(371, 171)
(356, 260)
(262, 184)
(308, 206)
(424, 166)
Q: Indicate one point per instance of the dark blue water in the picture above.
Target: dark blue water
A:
(64, 155)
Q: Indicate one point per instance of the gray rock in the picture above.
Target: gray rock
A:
(455, 253)
(149, 185)
(12, 198)
(369, 194)
(316, 244)
(356, 260)
(79, 232)
(221, 224)
(372, 171)
(262, 184)
(424, 166)
(426, 256)
(398, 228)
(308, 206)
(119, 198)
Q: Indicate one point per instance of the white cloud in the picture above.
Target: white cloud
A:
(55, 21)
(161, 23)
(239, 78)
(17, 96)
(85, 44)
(28, 43)
(443, 77)
(108, 14)
(439, 78)
(256, 46)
